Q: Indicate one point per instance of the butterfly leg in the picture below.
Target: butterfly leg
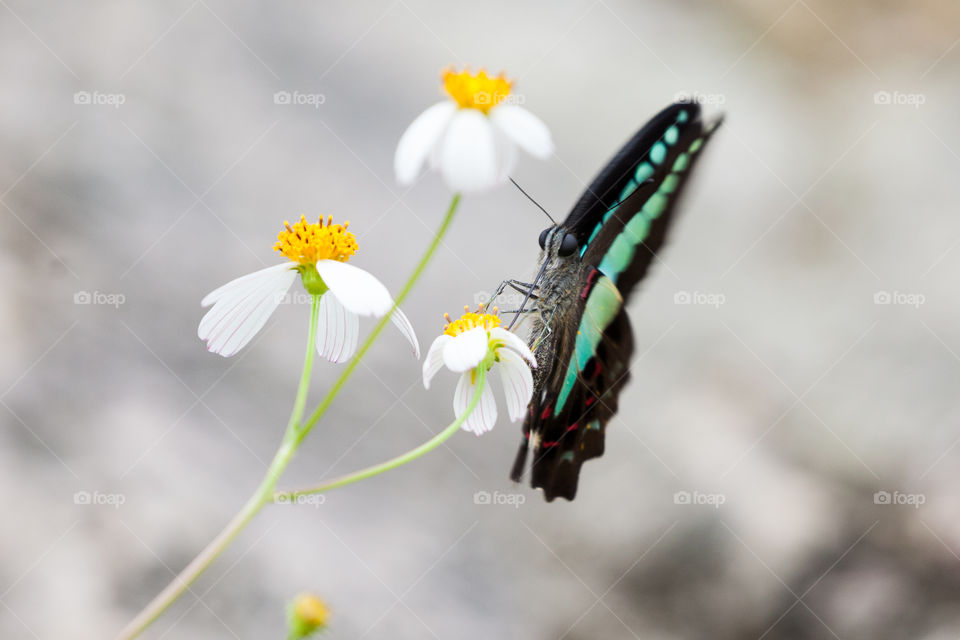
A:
(547, 330)
(515, 311)
(521, 287)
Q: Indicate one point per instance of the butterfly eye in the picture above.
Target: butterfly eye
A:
(543, 237)
(568, 246)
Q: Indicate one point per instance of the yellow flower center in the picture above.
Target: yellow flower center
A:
(309, 242)
(476, 90)
(470, 320)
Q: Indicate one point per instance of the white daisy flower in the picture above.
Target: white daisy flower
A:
(318, 254)
(477, 340)
(472, 138)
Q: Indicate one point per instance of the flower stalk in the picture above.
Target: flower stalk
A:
(399, 461)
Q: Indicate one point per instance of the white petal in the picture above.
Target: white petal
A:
(484, 415)
(434, 360)
(244, 281)
(466, 350)
(506, 155)
(338, 330)
(513, 341)
(242, 307)
(468, 157)
(524, 128)
(419, 139)
(356, 289)
(401, 322)
(517, 383)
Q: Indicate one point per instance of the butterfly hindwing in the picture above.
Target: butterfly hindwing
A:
(561, 439)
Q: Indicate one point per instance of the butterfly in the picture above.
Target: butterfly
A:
(589, 265)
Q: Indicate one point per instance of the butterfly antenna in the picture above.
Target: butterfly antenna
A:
(530, 198)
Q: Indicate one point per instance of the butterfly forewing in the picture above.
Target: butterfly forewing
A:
(620, 223)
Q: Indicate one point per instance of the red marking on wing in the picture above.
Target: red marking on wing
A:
(589, 285)
(574, 426)
(589, 401)
(545, 414)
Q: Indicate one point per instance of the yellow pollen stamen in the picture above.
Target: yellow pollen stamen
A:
(470, 320)
(476, 90)
(307, 243)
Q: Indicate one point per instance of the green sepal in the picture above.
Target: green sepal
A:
(312, 281)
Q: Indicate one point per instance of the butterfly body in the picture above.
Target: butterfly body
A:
(589, 265)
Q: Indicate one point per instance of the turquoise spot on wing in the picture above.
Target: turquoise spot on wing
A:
(593, 425)
(670, 183)
(567, 456)
(618, 256)
(683, 116)
(638, 228)
(569, 379)
(627, 190)
(644, 171)
(658, 153)
(602, 306)
(593, 235)
(672, 134)
(681, 163)
(655, 205)
(695, 145)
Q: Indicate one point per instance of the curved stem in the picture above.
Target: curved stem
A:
(404, 292)
(300, 403)
(262, 496)
(393, 463)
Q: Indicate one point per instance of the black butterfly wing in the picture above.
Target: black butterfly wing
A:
(620, 223)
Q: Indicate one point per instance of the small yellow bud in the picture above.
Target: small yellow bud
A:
(307, 615)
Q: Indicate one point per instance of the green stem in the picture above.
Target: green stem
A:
(404, 292)
(393, 463)
(262, 496)
(295, 433)
(300, 403)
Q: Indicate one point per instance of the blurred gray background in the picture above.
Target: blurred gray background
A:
(822, 225)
